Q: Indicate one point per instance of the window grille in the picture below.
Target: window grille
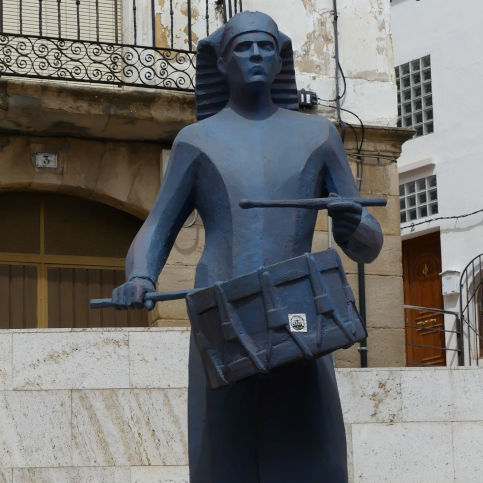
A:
(418, 199)
(415, 100)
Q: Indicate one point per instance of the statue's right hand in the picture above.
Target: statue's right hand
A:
(130, 295)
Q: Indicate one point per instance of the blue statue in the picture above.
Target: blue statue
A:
(251, 143)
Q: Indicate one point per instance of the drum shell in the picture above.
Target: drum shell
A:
(302, 308)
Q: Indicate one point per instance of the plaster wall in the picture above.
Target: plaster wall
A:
(110, 406)
(451, 34)
(365, 51)
(365, 46)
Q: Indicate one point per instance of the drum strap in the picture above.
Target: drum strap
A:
(276, 313)
(233, 327)
(322, 300)
(207, 353)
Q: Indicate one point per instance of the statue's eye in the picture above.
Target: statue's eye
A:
(267, 46)
(243, 47)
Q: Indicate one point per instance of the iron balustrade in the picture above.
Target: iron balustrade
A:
(471, 305)
(108, 41)
(458, 331)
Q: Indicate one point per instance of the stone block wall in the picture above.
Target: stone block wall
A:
(109, 406)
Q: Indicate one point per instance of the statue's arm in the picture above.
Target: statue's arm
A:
(175, 201)
(363, 241)
(151, 246)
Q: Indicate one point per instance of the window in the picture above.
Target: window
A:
(418, 199)
(414, 96)
(96, 20)
(56, 253)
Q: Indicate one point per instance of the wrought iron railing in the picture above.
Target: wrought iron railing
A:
(434, 326)
(471, 308)
(123, 42)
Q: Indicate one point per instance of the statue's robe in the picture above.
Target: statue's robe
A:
(287, 427)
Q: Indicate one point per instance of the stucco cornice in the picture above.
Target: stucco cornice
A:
(49, 108)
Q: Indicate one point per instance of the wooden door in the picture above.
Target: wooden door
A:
(56, 253)
(425, 337)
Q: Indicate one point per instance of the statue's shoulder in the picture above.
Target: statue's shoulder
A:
(314, 128)
(313, 122)
(195, 134)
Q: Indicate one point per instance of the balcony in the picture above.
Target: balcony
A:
(141, 43)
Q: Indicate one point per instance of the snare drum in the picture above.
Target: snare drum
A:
(301, 308)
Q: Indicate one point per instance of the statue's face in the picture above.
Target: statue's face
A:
(251, 58)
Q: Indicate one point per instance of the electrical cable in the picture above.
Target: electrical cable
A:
(344, 90)
(379, 157)
(360, 164)
(337, 67)
(455, 217)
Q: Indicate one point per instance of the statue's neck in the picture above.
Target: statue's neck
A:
(252, 102)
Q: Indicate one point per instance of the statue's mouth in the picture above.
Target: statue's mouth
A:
(257, 70)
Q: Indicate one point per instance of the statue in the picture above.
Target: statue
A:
(249, 144)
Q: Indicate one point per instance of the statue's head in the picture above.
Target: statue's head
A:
(248, 50)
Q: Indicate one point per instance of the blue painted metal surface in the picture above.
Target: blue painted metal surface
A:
(286, 426)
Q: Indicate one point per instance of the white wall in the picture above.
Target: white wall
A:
(365, 47)
(451, 32)
(109, 406)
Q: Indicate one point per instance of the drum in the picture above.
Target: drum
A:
(302, 308)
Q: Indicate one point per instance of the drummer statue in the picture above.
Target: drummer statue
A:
(250, 142)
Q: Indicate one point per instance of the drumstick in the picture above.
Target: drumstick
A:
(310, 203)
(153, 296)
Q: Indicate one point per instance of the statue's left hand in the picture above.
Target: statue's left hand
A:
(346, 216)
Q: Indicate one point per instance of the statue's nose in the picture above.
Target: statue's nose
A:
(255, 52)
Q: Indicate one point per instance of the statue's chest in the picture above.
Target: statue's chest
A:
(261, 165)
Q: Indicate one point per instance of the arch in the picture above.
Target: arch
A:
(123, 175)
(56, 252)
(131, 208)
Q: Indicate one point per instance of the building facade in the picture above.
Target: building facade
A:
(437, 67)
(91, 98)
(103, 101)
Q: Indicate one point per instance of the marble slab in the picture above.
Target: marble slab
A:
(129, 427)
(5, 361)
(5, 475)
(402, 453)
(370, 396)
(71, 475)
(35, 429)
(468, 451)
(70, 360)
(160, 474)
(442, 395)
(159, 359)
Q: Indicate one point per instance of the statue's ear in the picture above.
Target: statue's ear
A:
(284, 87)
(220, 65)
(280, 65)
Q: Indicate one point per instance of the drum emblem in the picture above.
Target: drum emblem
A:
(298, 322)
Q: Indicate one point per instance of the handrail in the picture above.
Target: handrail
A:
(458, 331)
(430, 309)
